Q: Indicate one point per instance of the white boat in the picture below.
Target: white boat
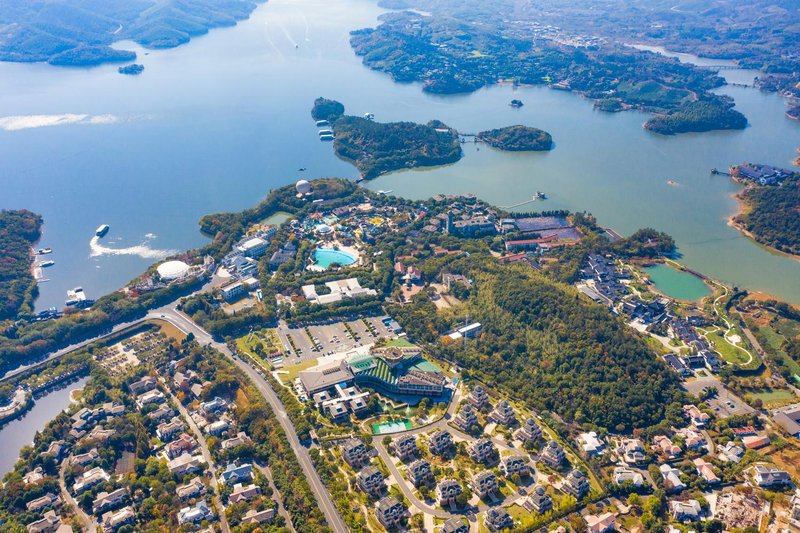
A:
(102, 230)
(47, 263)
(43, 251)
(325, 132)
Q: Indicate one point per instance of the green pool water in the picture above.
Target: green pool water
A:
(391, 427)
(677, 284)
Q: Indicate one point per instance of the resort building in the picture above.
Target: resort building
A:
(440, 442)
(107, 500)
(626, 475)
(484, 483)
(243, 493)
(600, 523)
(370, 480)
(447, 491)
(633, 451)
(89, 479)
(685, 511)
(390, 512)
(576, 484)
(115, 519)
(768, 476)
(196, 514)
(236, 474)
(233, 291)
(591, 444)
(672, 478)
(339, 290)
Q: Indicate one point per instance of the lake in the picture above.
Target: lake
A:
(677, 284)
(215, 124)
(20, 432)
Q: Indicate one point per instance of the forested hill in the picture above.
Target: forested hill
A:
(78, 32)
(18, 231)
(773, 215)
(554, 349)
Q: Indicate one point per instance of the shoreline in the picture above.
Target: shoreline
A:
(743, 208)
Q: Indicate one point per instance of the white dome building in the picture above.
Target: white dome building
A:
(324, 229)
(172, 270)
(303, 187)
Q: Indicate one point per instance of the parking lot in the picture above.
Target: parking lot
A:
(725, 403)
(318, 341)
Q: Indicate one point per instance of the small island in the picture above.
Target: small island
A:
(376, 148)
(517, 139)
(698, 116)
(769, 206)
(131, 70)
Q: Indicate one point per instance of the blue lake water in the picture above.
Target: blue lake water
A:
(214, 125)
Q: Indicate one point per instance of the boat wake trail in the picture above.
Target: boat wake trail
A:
(142, 250)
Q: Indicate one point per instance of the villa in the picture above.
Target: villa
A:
(440, 442)
(625, 475)
(420, 473)
(89, 479)
(698, 418)
(390, 512)
(498, 519)
(672, 478)
(455, 525)
(466, 418)
(106, 500)
(258, 517)
(591, 444)
(633, 451)
(514, 464)
(447, 491)
(576, 484)
(538, 501)
(503, 414)
(48, 500)
(706, 471)
(114, 519)
(370, 480)
(243, 493)
(482, 450)
(194, 515)
(529, 432)
(235, 474)
(185, 463)
(478, 397)
(354, 452)
(192, 488)
(552, 454)
(484, 483)
(404, 446)
(768, 476)
(685, 511)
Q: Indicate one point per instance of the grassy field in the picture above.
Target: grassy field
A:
(289, 373)
(728, 352)
(774, 398)
(776, 340)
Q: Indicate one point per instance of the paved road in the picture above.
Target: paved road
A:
(278, 498)
(323, 497)
(201, 441)
(87, 521)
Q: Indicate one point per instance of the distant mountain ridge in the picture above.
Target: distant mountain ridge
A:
(79, 32)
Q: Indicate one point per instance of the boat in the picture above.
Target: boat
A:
(43, 251)
(102, 230)
(301, 169)
(325, 132)
(47, 263)
(322, 123)
(326, 137)
(540, 196)
(369, 116)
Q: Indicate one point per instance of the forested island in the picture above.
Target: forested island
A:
(80, 32)
(698, 116)
(376, 148)
(771, 214)
(453, 54)
(19, 230)
(517, 139)
(131, 70)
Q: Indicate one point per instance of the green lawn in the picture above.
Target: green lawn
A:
(728, 352)
(775, 398)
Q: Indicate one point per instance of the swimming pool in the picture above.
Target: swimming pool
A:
(325, 257)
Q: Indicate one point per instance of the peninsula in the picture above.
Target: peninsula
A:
(376, 148)
(19, 230)
(769, 206)
(517, 139)
(80, 32)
